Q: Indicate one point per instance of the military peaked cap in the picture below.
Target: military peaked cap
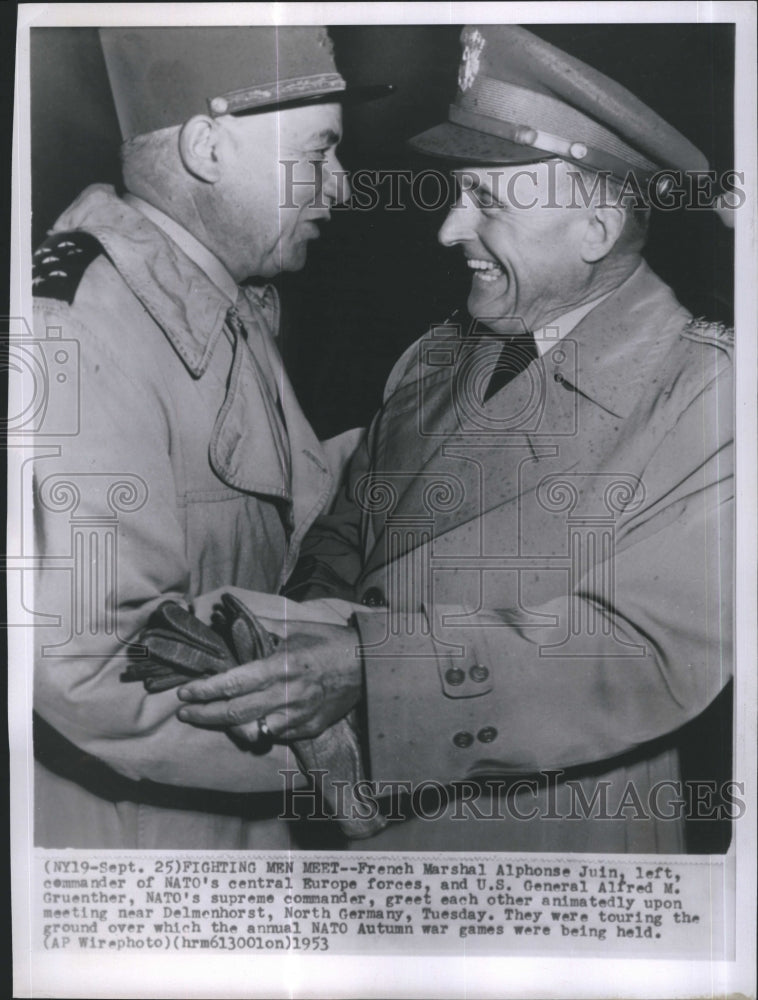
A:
(163, 76)
(521, 99)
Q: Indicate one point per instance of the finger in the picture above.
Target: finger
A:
(278, 724)
(278, 729)
(249, 678)
(249, 734)
(247, 708)
(288, 725)
(254, 736)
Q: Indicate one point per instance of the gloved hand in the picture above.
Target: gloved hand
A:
(181, 647)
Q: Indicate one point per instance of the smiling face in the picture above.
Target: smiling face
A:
(525, 252)
(280, 178)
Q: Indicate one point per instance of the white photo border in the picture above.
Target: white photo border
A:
(72, 975)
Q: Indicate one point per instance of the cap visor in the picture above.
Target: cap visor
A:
(454, 142)
(351, 95)
(366, 92)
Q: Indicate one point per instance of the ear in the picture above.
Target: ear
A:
(602, 232)
(199, 142)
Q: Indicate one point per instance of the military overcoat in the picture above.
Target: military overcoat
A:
(551, 573)
(165, 472)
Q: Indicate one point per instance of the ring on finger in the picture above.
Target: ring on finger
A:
(265, 738)
(264, 733)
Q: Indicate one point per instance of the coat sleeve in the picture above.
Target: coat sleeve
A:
(95, 587)
(331, 554)
(446, 702)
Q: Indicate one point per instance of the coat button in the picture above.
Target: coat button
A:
(487, 734)
(374, 598)
(455, 676)
(463, 740)
(478, 673)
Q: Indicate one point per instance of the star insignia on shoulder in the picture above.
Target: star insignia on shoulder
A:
(707, 331)
(59, 264)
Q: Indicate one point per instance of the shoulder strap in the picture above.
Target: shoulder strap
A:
(704, 332)
(59, 264)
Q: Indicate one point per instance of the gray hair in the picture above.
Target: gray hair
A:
(633, 236)
(151, 160)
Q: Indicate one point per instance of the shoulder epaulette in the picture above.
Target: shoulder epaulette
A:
(706, 332)
(59, 264)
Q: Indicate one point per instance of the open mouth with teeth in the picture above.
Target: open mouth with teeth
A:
(485, 270)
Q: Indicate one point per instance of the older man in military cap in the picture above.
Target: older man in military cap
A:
(538, 521)
(189, 431)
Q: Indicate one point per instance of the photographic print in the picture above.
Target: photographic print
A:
(378, 568)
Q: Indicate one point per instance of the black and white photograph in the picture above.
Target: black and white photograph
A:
(381, 449)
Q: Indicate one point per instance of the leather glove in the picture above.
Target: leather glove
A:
(181, 647)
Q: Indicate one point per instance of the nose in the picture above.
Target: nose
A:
(459, 226)
(336, 185)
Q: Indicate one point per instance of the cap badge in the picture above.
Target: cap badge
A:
(219, 105)
(472, 52)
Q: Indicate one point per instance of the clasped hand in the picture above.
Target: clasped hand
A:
(313, 679)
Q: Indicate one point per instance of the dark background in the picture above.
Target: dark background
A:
(375, 281)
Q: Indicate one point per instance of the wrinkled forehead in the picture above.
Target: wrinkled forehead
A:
(497, 174)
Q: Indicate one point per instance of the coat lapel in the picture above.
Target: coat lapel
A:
(248, 448)
(287, 460)
(310, 475)
(562, 412)
(251, 449)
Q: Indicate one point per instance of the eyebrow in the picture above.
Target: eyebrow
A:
(471, 184)
(476, 185)
(326, 137)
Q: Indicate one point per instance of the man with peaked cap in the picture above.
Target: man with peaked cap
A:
(538, 521)
(190, 440)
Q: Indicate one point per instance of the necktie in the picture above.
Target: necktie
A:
(517, 354)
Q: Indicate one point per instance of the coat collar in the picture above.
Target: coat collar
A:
(618, 348)
(179, 295)
(611, 358)
(286, 460)
(197, 253)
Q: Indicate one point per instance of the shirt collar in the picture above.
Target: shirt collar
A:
(199, 254)
(548, 335)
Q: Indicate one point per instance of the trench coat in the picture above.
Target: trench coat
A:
(165, 473)
(551, 576)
